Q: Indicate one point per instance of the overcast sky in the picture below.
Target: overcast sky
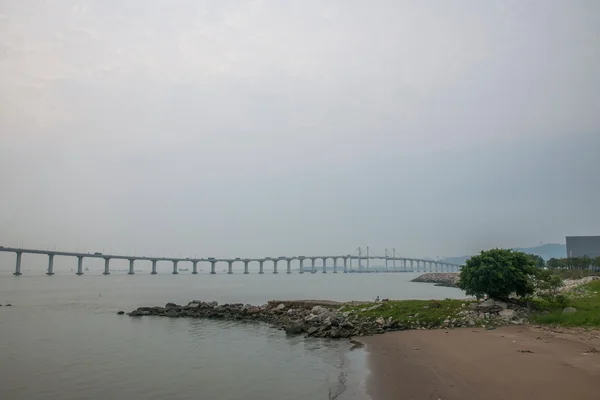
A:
(267, 128)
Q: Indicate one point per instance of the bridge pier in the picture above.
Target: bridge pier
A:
(246, 267)
(212, 267)
(312, 263)
(275, 266)
(411, 266)
(289, 266)
(194, 267)
(346, 265)
(260, 267)
(106, 266)
(230, 267)
(175, 271)
(386, 263)
(153, 267)
(131, 271)
(349, 263)
(335, 265)
(324, 265)
(50, 265)
(79, 265)
(302, 265)
(18, 265)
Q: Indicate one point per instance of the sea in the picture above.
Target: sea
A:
(62, 337)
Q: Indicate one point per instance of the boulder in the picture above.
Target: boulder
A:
(316, 310)
(135, 313)
(172, 313)
(507, 314)
(9, 305)
(280, 307)
(380, 321)
(312, 330)
(569, 310)
(171, 305)
(294, 328)
(121, 312)
(473, 306)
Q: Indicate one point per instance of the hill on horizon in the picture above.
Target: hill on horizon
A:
(546, 251)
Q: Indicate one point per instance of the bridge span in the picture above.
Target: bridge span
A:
(405, 264)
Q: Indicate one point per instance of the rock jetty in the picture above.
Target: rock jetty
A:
(439, 278)
(337, 320)
(314, 319)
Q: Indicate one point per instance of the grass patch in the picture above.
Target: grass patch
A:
(427, 312)
(586, 299)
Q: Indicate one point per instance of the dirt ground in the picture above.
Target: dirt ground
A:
(508, 363)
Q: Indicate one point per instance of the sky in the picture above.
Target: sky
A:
(240, 128)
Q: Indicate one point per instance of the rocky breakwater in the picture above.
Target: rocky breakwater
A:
(448, 279)
(313, 319)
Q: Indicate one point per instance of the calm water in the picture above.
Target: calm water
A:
(62, 338)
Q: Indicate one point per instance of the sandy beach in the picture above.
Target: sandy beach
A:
(515, 362)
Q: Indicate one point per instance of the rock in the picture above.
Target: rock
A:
(473, 306)
(294, 328)
(471, 322)
(135, 313)
(280, 307)
(312, 330)
(121, 312)
(375, 307)
(213, 304)
(380, 321)
(9, 305)
(171, 305)
(507, 315)
(193, 305)
(316, 310)
(172, 313)
(335, 333)
(569, 310)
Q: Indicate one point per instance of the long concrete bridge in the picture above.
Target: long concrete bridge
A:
(405, 264)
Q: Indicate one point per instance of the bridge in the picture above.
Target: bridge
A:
(363, 262)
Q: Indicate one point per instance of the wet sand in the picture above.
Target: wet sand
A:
(515, 362)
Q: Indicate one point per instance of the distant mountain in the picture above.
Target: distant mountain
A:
(546, 251)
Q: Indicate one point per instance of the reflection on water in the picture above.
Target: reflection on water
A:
(62, 339)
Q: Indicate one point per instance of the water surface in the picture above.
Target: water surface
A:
(63, 339)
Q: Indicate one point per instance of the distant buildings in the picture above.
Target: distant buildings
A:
(580, 246)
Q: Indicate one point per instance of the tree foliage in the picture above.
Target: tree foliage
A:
(498, 273)
(574, 263)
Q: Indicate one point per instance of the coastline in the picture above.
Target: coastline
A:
(516, 362)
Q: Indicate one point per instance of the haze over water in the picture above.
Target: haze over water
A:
(63, 339)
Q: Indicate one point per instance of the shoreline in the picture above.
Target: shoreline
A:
(516, 362)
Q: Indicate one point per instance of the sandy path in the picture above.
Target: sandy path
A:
(513, 363)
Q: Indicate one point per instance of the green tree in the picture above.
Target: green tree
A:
(539, 261)
(554, 263)
(498, 273)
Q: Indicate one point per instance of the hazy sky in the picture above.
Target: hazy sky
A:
(267, 128)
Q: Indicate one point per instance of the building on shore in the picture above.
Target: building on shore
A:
(581, 246)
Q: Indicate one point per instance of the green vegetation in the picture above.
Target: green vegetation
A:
(574, 263)
(586, 300)
(574, 273)
(430, 313)
(499, 273)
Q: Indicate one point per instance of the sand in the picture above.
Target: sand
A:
(515, 363)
